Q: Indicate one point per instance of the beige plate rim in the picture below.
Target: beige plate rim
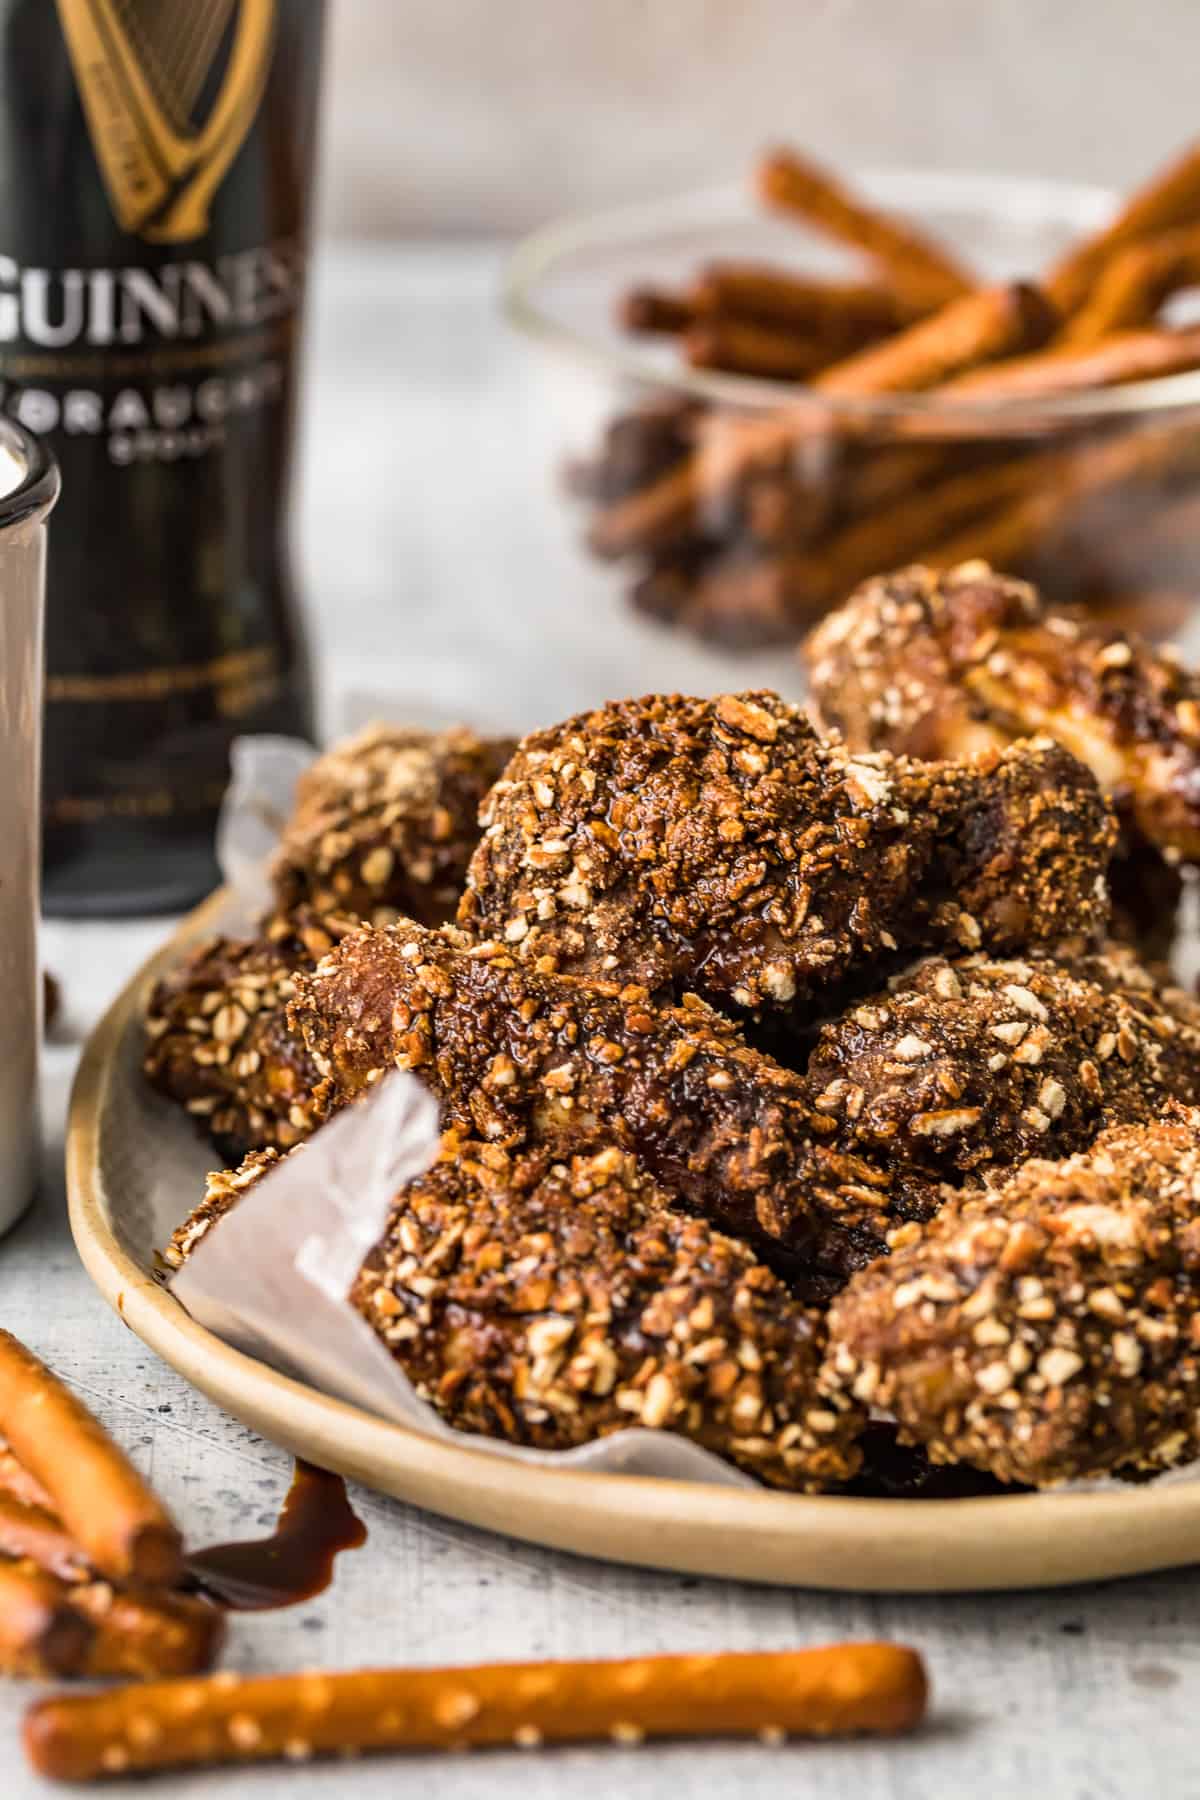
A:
(851, 1545)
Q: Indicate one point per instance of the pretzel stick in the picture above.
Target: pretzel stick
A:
(818, 1693)
(985, 325)
(40, 1634)
(991, 323)
(1158, 548)
(1074, 368)
(653, 310)
(1170, 199)
(744, 348)
(919, 269)
(889, 537)
(758, 601)
(147, 1635)
(1131, 289)
(826, 309)
(1005, 539)
(119, 1524)
(32, 1533)
(16, 1481)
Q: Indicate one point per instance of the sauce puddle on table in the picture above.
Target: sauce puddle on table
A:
(292, 1565)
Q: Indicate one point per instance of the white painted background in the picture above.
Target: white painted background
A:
(461, 115)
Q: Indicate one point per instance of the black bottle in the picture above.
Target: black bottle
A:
(155, 174)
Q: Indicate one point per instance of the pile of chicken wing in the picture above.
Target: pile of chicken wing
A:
(793, 1077)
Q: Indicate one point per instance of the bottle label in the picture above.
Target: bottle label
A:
(154, 361)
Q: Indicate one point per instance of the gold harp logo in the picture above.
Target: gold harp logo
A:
(145, 68)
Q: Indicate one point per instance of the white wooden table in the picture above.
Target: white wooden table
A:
(430, 577)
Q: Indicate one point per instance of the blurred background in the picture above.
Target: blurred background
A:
(466, 115)
(444, 556)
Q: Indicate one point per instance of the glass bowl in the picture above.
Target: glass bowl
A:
(1095, 496)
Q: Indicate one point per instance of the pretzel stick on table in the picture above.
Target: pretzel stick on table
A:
(141, 1632)
(991, 323)
(1130, 291)
(19, 1484)
(847, 1688)
(147, 1636)
(1170, 199)
(920, 270)
(121, 1526)
(40, 1634)
(34, 1534)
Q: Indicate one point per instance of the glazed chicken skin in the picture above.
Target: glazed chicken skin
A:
(514, 1056)
(386, 823)
(953, 1070)
(721, 845)
(935, 665)
(1049, 1330)
(960, 1069)
(551, 1301)
(218, 1040)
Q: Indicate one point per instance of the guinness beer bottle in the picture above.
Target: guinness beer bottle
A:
(155, 160)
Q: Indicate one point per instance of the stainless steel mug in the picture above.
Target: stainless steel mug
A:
(28, 489)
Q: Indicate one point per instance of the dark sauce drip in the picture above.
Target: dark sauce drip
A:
(895, 1471)
(295, 1562)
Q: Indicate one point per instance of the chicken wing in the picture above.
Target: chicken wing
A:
(935, 665)
(952, 1070)
(961, 1069)
(1049, 1330)
(514, 1056)
(722, 845)
(386, 823)
(219, 1043)
(550, 1302)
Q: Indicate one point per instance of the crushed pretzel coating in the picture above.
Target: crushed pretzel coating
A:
(1049, 1330)
(963, 1068)
(223, 1188)
(722, 845)
(934, 665)
(385, 824)
(517, 1056)
(551, 1300)
(217, 1039)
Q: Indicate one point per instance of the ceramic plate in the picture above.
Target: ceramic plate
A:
(132, 1161)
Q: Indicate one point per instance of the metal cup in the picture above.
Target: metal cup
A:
(28, 489)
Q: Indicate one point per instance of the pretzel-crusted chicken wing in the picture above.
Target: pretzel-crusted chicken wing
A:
(386, 824)
(935, 665)
(218, 1039)
(1050, 1329)
(962, 1068)
(722, 845)
(551, 1301)
(953, 1069)
(515, 1056)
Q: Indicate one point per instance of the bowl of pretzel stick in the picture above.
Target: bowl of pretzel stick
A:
(761, 395)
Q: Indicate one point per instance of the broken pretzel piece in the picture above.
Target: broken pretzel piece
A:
(120, 1525)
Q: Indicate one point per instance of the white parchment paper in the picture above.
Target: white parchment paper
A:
(272, 1276)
